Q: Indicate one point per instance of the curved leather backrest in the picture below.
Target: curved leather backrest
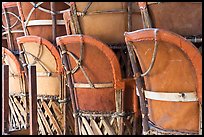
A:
(107, 27)
(40, 16)
(100, 65)
(45, 56)
(15, 71)
(13, 22)
(177, 68)
(184, 18)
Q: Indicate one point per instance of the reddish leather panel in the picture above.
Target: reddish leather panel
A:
(42, 31)
(177, 68)
(131, 100)
(101, 66)
(184, 18)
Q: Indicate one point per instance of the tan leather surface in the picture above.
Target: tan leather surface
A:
(49, 47)
(101, 66)
(108, 27)
(173, 71)
(50, 58)
(14, 68)
(12, 7)
(43, 31)
(184, 18)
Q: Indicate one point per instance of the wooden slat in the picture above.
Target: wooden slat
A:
(18, 113)
(112, 122)
(23, 99)
(100, 123)
(108, 128)
(82, 129)
(41, 128)
(41, 115)
(87, 126)
(12, 121)
(95, 127)
(52, 128)
(57, 111)
(14, 114)
(26, 107)
(52, 119)
(45, 113)
(20, 107)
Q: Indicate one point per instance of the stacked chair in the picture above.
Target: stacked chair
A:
(16, 118)
(64, 76)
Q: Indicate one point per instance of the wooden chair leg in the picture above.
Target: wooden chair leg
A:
(33, 100)
(5, 99)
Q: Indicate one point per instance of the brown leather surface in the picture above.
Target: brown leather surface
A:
(177, 68)
(49, 56)
(12, 7)
(108, 27)
(131, 100)
(101, 66)
(43, 31)
(184, 18)
(4, 43)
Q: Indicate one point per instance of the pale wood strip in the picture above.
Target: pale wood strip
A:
(52, 119)
(52, 127)
(23, 99)
(95, 127)
(22, 122)
(108, 128)
(57, 111)
(112, 121)
(87, 126)
(82, 129)
(45, 113)
(12, 121)
(100, 123)
(41, 128)
(49, 103)
(20, 107)
(41, 115)
(14, 114)
(101, 126)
